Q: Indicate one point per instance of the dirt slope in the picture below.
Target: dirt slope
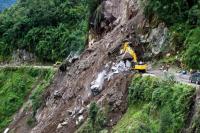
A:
(57, 115)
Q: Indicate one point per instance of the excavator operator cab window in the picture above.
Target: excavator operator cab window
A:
(141, 63)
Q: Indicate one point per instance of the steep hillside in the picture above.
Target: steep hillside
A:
(16, 85)
(48, 29)
(57, 114)
(93, 92)
(183, 20)
(156, 106)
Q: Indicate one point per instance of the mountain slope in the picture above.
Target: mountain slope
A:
(50, 31)
(16, 84)
(67, 104)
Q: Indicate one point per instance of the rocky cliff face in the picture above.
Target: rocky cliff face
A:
(68, 97)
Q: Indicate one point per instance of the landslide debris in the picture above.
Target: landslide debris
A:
(68, 97)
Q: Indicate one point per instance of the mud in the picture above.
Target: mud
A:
(77, 80)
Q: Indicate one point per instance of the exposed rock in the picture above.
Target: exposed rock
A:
(22, 56)
(69, 94)
(57, 94)
(59, 126)
(158, 38)
(84, 65)
(72, 57)
(64, 123)
(80, 119)
(70, 112)
(6, 130)
(115, 99)
(81, 111)
(86, 69)
(97, 85)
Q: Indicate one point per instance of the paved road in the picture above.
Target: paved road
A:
(28, 66)
(182, 78)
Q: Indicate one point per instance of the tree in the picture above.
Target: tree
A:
(50, 29)
(170, 11)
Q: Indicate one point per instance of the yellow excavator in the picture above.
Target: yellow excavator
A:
(139, 66)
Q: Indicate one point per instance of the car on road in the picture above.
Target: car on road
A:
(195, 78)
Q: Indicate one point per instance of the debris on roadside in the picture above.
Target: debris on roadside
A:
(73, 56)
(116, 68)
(97, 85)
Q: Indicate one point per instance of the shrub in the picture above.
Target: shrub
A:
(37, 96)
(166, 119)
(192, 55)
(170, 11)
(179, 32)
(141, 89)
(165, 103)
(194, 15)
(31, 121)
(96, 120)
(15, 86)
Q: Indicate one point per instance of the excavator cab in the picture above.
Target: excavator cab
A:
(127, 50)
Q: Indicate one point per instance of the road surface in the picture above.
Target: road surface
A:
(179, 77)
(28, 66)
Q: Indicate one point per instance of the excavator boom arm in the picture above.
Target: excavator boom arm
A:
(127, 48)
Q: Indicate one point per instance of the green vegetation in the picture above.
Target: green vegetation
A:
(37, 95)
(95, 10)
(192, 55)
(183, 20)
(16, 85)
(170, 11)
(49, 28)
(156, 106)
(96, 120)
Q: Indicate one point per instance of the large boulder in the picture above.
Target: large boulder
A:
(158, 38)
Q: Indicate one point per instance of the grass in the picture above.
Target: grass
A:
(134, 118)
(16, 84)
(36, 96)
(128, 121)
(155, 106)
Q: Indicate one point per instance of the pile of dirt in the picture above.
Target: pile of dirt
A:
(66, 105)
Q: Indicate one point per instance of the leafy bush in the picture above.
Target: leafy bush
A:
(163, 104)
(192, 55)
(93, 112)
(174, 11)
(96, 120)
(141, 90)
(166, 119)
(170, 11)
(179, 32)
(194, 15)
(31, 121)
(15, 86)
(37, 96)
